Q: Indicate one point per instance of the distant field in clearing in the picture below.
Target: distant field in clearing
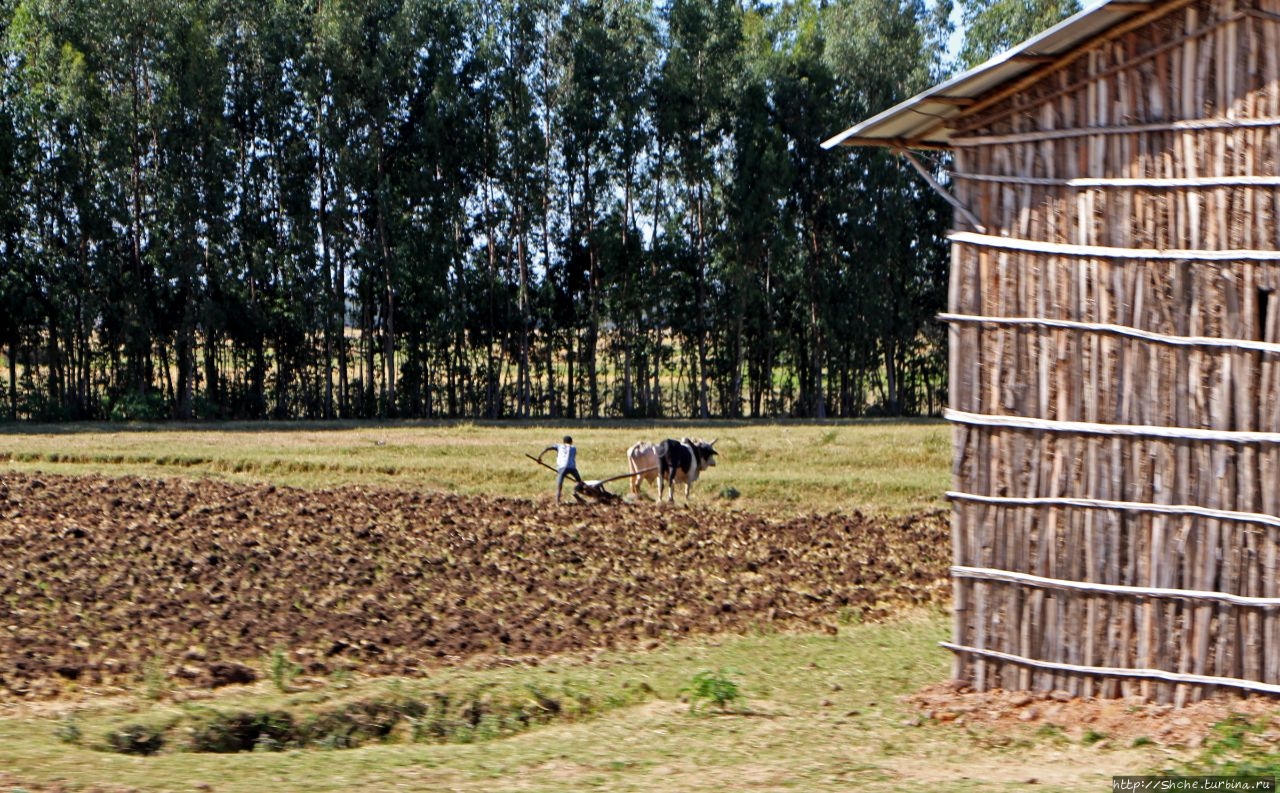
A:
(878, 466)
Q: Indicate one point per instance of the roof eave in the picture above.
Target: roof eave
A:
(922, 121)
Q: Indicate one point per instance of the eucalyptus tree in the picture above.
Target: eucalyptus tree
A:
(693, 104)
(59, 111)
(15, 281)
(992, 26)
(366, 46)
(601, 49)
(438, 158)
(892, 264)
(512, 43)
(514, 55)
(193, 173)
(815, 202)
(263, 293)
(758, 182)
(520, 206)
(629, 78)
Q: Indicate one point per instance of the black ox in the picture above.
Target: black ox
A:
(683, 460)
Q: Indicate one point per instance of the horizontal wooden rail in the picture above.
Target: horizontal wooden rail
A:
(1177, 510)
(1126, 430)
(1042, 582)
(1192, 125)
(1109, 252)
(1085, 182)
(1114, 671)
(1118, 330)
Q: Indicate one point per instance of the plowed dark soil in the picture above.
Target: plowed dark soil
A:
(102, 578)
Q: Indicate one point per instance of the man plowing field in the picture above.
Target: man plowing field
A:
(566, 465)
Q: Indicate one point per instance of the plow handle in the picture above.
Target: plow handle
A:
(539, 462)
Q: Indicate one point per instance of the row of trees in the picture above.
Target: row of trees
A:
(483, 208)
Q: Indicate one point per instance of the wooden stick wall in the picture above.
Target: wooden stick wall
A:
(1164, 137)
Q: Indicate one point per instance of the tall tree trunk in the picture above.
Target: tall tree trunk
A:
(523, 378)
(369, 337)
(699, 375)
(817, 352)
(334, 301)
(384, 252)
(136, 356)
(893, 378)
(340, 308)
(491, 257)
(13, 377)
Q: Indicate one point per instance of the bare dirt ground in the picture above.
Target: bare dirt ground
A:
(105, 581)
(1108, 723)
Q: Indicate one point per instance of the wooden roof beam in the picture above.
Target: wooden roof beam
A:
(960, 208)
(895, 143)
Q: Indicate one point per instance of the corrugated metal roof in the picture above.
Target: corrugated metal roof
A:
(924, 120)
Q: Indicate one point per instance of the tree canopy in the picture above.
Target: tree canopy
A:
(464, 208)
(993, 26)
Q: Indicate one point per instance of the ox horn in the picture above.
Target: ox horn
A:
(713, 442)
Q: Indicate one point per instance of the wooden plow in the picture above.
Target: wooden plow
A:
(594, 489)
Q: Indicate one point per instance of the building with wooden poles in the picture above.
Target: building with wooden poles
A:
(1115, 350)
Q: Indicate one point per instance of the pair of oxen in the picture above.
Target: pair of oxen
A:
(669, 462)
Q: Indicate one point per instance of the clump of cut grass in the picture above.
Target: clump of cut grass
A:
(482, 713)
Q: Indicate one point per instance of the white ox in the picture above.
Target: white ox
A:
(642, 457)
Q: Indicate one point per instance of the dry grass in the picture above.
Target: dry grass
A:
(894, 467)
(821, 713)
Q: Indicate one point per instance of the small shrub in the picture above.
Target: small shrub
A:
(155, 681)
(340, 678)
(266, 743)
(849, 615)
(356, 723)
(1091, 737)
(138, 407)
(1232, 734)
(282, 669)
(243, 732)
(715, 689)
(729, 493)
(69, 730)
(136, 739)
